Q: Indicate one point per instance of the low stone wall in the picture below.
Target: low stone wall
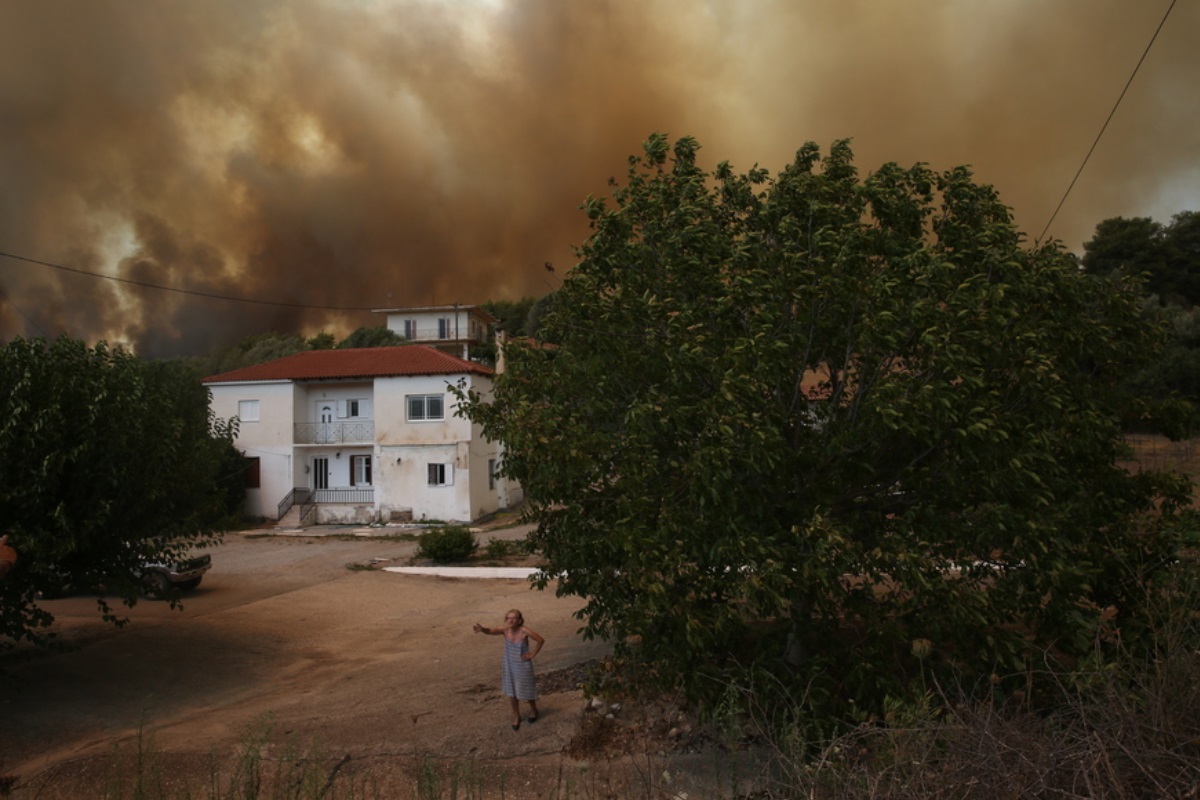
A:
(345, 515)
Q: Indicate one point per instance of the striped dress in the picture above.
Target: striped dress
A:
(516, 679)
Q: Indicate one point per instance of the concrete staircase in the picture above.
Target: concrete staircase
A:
(291, 519)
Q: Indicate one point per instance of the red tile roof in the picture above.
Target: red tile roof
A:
(366, 362)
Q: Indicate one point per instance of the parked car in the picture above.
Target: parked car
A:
(157, 578)
(184, 574)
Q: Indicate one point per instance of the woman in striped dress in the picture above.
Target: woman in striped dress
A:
(516, 678)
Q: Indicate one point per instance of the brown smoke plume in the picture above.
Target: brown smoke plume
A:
(330, 155)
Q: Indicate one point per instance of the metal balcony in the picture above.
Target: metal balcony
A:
(354, 432)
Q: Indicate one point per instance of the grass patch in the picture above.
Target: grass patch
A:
(260, 768)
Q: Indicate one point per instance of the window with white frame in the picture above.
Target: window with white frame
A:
(353, 408)
(410, 329)
(426, 407)
(248, 410)
(441, 474)
(443, 327)
(360, 470)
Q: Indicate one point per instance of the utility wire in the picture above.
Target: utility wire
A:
(8, 299)
(191, 292)
(1104, 127)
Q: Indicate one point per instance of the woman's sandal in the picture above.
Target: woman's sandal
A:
(533, 718)
(516, 726)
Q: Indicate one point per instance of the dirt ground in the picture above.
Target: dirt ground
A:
(370, 678)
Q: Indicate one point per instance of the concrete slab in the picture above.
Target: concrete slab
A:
(522, 573)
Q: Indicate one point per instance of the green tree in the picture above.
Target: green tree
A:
(1182, 245)
(800, 423)
(1120, 244)
(533, 322)
(1167, 255)
(1165, 387)
(379, 336)
(511, 313)
(256, 349)
(106, 461)
(324, 340)
(1167, 383)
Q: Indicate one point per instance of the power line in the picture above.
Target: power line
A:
(1104, 127)
(190, 292)
(28, 321)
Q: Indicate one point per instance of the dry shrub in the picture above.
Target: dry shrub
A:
(1125, 741)
(1123, 729)
(593, 738)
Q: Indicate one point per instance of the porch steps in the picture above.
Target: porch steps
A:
(291, 519)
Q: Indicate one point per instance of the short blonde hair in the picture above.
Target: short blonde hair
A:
(520, 616)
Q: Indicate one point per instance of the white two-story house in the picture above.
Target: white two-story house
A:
(361, 436)
(454, 329)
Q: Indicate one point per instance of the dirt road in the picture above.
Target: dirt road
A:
(288, 640)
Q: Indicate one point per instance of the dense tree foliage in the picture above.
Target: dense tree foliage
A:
(538, 311)
(511, 313)
(849, 431)
(106, 461)
(323, 340)
(376, 336)
(1166, 384)
(1168, 255)
(256, 349)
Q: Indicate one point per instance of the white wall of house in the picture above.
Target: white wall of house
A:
(433, 478)
(489, 493)
(410, 487)
(392, 423)
(267, 438)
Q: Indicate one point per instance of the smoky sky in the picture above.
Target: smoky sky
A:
(379, 153)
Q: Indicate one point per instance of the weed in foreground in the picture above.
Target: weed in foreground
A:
(458, 781)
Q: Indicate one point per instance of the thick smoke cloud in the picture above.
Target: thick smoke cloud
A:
(377, 153)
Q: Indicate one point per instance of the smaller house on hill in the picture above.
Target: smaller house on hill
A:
(454, 329)
(362, 436)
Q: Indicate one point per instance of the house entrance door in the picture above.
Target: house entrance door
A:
(320, 473)
(326, 428)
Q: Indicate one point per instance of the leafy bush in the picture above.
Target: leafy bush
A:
(452, 543)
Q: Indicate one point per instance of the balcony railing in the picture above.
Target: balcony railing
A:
(358, 496)
(308, 499)
(356, 432)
